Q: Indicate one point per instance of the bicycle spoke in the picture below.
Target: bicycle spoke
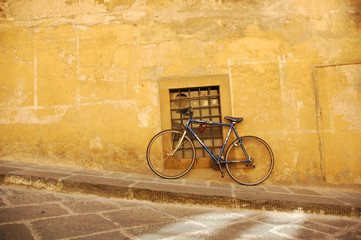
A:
(164, 161)
(260, 167)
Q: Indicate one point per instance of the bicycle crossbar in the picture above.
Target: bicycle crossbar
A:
(231, 128)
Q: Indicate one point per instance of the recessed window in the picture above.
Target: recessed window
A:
(206, 104)
(206, 95)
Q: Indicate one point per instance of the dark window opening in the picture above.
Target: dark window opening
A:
(205, 102)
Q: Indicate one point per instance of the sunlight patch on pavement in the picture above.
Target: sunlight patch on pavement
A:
(204, 224)
(238, 225)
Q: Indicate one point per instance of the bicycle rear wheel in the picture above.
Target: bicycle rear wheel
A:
(163, 161)
(249, 173)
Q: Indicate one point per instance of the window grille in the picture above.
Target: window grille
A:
(205, 102)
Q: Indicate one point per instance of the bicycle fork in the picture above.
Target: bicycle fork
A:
(178, 144)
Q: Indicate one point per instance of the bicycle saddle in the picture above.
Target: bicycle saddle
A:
(233, 119)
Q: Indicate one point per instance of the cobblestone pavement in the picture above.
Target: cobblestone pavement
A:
(36, 214)
(228, 194)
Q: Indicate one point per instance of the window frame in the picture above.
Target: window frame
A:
(206, 105)
(166, 84)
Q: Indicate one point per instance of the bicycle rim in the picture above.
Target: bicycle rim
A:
(163, 162)
(259, 170)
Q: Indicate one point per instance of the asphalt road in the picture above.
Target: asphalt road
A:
(38, 214)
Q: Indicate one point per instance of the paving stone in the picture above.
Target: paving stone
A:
(257, 229)
(104, 236)
(287, 198)
(16, 191)
(108, 187)
(139, 177)
(180, 211)
(19, 164)
(188, 182)
(304, 191)
(71, 226)
(80, 180)
(89, 206)
(178, 181)
(239, 230)
(124, 203)
(351, 201)
(54, 168)
(217, 219)
(204, 191)
(5, 170)
(279, 218)
(44, 174)
(15, 232)
(90, 172)
(164, 230)
(350, 235)
(2, 203)
(36, 176)
(138, 216)
(296, 232)
(319, 227)
(30, 212)
(241, 188)
(354, 194)
(220, 185)
(151, 187)
(276, 189)
(120, 175)
(2, 161)
(270, 236)
(333, 193)
(335, 222)
(287, 202)
(260, 232)
(22, 199)
(130, 219)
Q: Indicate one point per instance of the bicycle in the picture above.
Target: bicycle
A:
(248, 160)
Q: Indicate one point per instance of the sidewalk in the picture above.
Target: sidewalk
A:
(180, 191)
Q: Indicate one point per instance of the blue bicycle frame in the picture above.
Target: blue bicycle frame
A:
(231, 127)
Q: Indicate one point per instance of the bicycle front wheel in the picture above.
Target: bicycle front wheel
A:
(249, 172)
(170, 156)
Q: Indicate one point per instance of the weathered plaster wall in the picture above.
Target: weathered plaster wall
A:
(79, 78)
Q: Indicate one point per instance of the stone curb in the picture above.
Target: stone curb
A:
(205, 193)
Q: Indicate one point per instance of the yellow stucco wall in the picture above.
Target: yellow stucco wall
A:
(80, 78)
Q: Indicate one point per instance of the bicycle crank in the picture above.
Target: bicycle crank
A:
(220, 169)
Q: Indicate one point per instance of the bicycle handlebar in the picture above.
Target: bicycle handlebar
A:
(186, 111)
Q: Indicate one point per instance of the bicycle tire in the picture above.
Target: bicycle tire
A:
(165, 165)
(259, 170)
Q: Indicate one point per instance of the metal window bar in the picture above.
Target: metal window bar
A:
(205, 102)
